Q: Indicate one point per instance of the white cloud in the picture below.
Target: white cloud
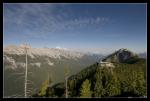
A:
(42, 20)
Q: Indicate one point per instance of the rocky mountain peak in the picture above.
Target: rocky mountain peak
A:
(122, 55)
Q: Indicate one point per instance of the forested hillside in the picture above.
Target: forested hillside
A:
(125, 80)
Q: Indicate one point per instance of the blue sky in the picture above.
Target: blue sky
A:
(77, 26)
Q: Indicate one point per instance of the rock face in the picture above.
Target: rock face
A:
(50, 52)
(120, 56)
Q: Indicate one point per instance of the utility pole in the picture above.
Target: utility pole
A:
(26, 74)
(66, 79)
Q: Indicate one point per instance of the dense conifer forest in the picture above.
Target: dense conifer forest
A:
(125, 80)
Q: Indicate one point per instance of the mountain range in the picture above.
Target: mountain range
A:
(43, 62)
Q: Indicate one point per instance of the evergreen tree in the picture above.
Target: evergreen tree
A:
(71, 85)
(43, 90)
(99, 90)
(85, 90)
(140, 88)
(113, 86)
(66, 72)
(129, 82)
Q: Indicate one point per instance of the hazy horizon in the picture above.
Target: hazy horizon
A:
(104, 51)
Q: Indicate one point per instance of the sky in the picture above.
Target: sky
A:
(92, 27)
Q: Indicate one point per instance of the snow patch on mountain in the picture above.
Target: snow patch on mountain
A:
(57, 47)
(10, 61)
(20, 64)
(38, 64)
(50, 63)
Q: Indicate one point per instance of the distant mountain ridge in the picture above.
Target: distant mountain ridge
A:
(143, 55)
(50, 52)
